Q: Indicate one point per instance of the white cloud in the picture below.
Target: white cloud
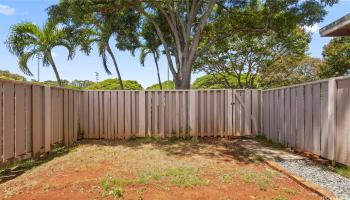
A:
(312, 29)
(6, 10)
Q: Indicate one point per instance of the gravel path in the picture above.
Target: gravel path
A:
(340, 186)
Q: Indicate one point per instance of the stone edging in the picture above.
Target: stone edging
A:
(301, 181)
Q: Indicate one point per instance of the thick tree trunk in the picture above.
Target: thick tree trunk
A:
(53, 65)
(159, 81)
(184, 81)
(109, 50)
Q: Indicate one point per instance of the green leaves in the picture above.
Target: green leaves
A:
(113, 84)
(28, 40)
(337, 58)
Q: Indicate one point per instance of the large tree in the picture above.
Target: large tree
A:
(336, 55)
(187, 28)
(28, 40)
(247, 56)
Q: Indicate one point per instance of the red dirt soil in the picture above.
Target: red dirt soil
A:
(84, 183)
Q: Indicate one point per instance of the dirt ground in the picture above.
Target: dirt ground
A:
(155, 169)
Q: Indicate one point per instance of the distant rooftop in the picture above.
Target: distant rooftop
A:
(340, 27)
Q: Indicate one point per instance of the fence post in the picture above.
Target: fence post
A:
(331, 118)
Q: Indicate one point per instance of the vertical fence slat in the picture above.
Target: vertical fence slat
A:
(192, 116)
(282, 120)
(20, 117)
(101, 114)
(28, 108)
(91, 115)
(300, 117)
(9, 121)
(316, 119)
(47, 118)
(142, 115)
(161, 113)
(96, 116)
(114, 115)
(287, 114)
(37, 117)
(54, 114)
(255, 112)
(66, 116)
(215, 114)
(331, 119)
(127, 114)
(308, 119)
(86, 115)
(324, 119)
(71, 116)
(121, 119)
(293, 117)
(76, 115)
(229, 112)
(342, 102)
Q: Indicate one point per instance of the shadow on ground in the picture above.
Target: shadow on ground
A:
(224, 149)
(16, 168)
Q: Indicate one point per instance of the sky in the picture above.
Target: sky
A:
(84, 67)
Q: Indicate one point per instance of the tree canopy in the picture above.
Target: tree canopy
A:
(186, 30)
(247, 56)
(113, 84)
(336, 55)
(5, 74)
(165, 86)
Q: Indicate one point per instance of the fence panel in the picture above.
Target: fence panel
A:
(179, 113)
(316, 117)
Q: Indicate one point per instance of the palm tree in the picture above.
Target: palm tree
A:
(27, 41)
(145, 50)
(103, 34)
(150, 46)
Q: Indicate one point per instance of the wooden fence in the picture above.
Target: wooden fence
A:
(177, 113)
(35, 117)
(313, 117)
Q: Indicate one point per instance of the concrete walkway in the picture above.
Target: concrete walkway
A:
(269, 153)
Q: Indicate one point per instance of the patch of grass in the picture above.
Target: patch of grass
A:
(267, 142)
(263, 180)
(194, 141)
(256, 158)
(226, 178)
(34, 162)
(114, 186)
(179, 176)
(149, 175)
(184, 177)
(290, 191)
(281, 197)
(343, 170)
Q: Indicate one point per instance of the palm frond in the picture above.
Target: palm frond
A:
(144, 52)
(23, 60)
(22, 37)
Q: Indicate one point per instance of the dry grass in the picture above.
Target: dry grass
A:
(114, 169)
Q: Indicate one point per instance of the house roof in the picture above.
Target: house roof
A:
(340, 27)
